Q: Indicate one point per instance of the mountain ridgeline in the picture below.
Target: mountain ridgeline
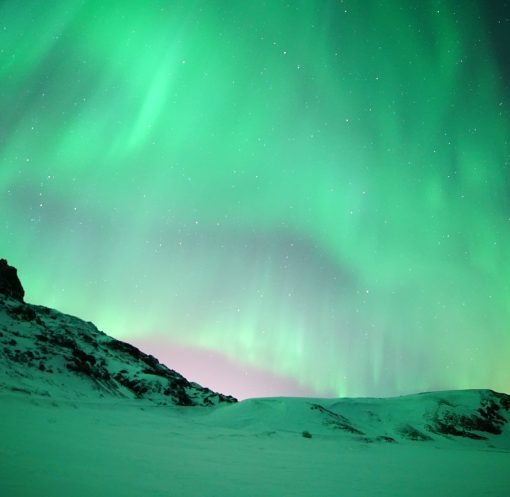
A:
(45, 352)
(48, 354)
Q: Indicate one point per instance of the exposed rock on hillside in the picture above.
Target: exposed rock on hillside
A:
(45, 352)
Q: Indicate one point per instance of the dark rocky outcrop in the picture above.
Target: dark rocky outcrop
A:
(335, 420)
(487, 418)
(10, 284)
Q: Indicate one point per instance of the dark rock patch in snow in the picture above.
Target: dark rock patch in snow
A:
(448, 419)
(336, 420)
(412, 433)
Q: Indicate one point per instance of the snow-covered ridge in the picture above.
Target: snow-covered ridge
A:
(47, 353)
(44, 353)
(472, 418)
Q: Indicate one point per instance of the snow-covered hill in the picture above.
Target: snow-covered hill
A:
(46, 353)
(474, 418)
(84, 414)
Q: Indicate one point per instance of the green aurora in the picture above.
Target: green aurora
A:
(316, 189)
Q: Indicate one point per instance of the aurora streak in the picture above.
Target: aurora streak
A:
(311, 196)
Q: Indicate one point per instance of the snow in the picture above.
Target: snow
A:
(83, 414)
(134, 448)
(45, 352)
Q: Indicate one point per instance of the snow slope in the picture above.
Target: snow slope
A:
(45, 352)
(469, 418)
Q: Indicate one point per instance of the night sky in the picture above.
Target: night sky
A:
(272, 197)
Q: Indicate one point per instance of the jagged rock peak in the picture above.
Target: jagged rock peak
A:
(10, 285)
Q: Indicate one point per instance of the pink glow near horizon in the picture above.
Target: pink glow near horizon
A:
(217, 372)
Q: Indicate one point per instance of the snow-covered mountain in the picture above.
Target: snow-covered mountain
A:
(461, 417)
(84, 414)
(44, 352)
